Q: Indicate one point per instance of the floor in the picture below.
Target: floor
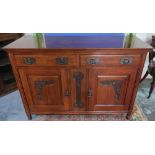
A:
(146, 105)
(11, 108)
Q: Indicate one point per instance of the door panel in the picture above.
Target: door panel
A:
(44, 89)
(111, 88)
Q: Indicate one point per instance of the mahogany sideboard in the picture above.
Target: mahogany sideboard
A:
(77, 74)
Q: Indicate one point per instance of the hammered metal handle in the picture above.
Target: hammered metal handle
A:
(29, 60)
(92, 61)
(126, 61)
(62, 61)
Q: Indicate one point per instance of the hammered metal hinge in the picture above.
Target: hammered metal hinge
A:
(78, 76)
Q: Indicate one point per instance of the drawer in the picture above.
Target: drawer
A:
(109, 60)
(46, 60)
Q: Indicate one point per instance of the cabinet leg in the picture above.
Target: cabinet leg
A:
(28, 113)
(152, 87)
(29, 116)
(128, 116)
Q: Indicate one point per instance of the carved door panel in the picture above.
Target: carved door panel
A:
(45, 89)
(111, 88)
(78, 84)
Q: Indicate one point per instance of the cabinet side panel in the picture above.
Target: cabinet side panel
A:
(20, 87)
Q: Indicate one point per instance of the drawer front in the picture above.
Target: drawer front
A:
(46, 60)
(109, 60)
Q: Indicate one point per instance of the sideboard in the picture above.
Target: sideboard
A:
(78, 75)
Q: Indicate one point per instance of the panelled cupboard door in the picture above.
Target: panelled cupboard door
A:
(111, 89)
(44, 89)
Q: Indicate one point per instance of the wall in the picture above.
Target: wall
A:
(147, 37)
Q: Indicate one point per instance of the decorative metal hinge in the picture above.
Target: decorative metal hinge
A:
(78, 76)
(117, 85)
(29, 61)
(62, 61)
(39, 84)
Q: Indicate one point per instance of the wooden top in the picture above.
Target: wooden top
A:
(76, 41)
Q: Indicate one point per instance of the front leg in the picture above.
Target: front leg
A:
(129, 115)
(29, 117)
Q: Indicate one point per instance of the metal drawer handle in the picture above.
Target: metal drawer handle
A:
(126, 61)
(29, 60)
(62, 61)
(92, 61)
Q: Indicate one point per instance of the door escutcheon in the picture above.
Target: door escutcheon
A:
(90, 93)
(67, 93)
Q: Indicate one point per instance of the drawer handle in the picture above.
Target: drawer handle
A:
(126, 61)
(29, 61)
(93, 61)
(62, 61)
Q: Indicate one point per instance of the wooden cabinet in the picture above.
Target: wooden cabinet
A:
(77, 82)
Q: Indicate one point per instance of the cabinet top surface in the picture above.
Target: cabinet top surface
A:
(77, 41)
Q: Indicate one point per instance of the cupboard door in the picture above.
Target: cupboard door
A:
(111, 89)
(78, 84)
(44, 89)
